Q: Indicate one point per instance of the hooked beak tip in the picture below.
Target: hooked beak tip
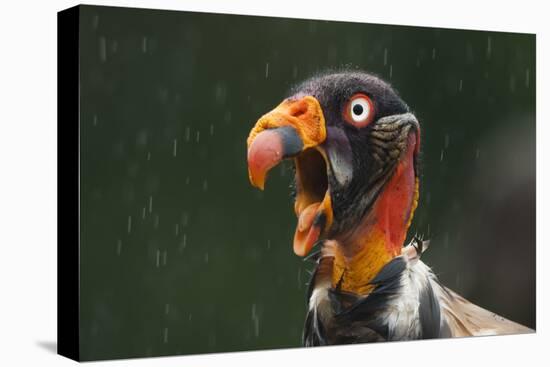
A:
(256, 180)
(265, 152)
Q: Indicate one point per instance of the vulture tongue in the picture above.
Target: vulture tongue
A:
(306, 232)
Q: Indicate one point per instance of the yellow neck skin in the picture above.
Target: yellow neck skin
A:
(354, 271)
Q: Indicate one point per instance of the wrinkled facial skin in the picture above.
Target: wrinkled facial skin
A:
(360, 160)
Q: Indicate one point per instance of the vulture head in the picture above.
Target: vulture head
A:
(355, 146)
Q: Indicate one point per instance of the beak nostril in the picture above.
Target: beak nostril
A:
(299, 109)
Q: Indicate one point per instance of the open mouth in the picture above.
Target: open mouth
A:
(312, 205)
(311, 179)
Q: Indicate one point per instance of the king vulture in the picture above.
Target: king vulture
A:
(355, 147)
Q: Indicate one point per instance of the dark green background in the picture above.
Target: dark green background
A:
(206, 264)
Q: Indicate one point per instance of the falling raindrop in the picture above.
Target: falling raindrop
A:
(477, 153)
(433, 53)
(447, 139)
(460, 85)
(141, 138)
(220, 93)
(164, 257)
(144, 45)
(255, 321)
(95, 22)
(183, 243)
(206, 257)
(158, 258)
(95, 116)
(211, 129)
(469, 52)
(187, 180)
(118, 247)
(166, 309)
(143, 213)
(151, 204)
(312, 27)
(391, 71)
(175, 150)
(114, 46)
(385, 56)
(129, 224)
(489, 47)
(441, 156)
(148, 156)
(187, 133)
(156, 223)
(268, 244)
(185, 219)
(165, 335)
(266, 70)
(198, 136)
(205, 185)
(227, 117)
(102, 49)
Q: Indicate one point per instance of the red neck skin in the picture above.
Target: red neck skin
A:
(394, 209)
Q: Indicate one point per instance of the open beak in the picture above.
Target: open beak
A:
(295, 129)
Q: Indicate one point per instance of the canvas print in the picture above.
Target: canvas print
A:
(252, 183)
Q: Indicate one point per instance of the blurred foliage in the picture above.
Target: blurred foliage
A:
(179, 254)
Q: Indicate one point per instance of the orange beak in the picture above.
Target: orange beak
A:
(295, 129)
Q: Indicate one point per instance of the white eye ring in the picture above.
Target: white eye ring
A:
(359, 109)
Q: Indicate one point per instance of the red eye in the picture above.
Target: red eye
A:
(359, 110)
